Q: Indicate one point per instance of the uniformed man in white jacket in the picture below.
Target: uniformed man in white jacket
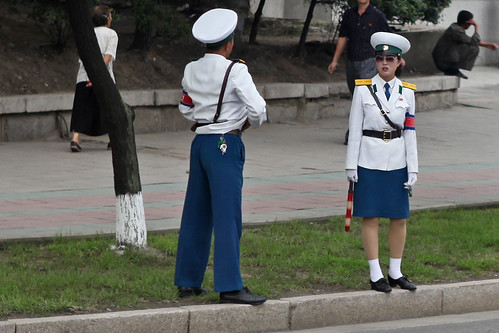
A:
(382, 157)
(214, 190)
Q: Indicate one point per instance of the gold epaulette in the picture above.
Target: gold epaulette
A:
(363, 82)
(409, 85)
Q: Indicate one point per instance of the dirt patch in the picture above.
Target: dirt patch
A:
(28, 65)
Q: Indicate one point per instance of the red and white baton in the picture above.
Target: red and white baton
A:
(348, 218)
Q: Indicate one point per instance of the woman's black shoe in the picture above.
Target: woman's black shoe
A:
(403, 282)
(75, 147)
(191, 291)
(381, 285)
(243, 296)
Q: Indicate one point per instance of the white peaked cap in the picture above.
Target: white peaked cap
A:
(390, 43)
(215, 25)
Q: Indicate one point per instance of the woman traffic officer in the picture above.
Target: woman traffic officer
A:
(382, 157)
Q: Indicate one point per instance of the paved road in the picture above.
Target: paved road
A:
(292, 171)
(476, 322)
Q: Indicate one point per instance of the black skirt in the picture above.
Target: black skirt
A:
(87, 117)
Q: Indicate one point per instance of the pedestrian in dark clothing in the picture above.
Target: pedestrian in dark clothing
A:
(456, 50)
(357, 26)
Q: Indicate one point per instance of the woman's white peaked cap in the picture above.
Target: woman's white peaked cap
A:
(390, 43)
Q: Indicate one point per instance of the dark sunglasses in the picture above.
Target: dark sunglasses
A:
(380, 58)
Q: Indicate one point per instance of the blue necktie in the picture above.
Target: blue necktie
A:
(387, 91)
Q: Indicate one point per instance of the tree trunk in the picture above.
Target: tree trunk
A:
(300, 51)
(256, 21)
(130, 220)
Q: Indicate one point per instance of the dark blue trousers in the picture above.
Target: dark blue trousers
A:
(212, 204)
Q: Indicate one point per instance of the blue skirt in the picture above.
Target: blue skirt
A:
(381, 194)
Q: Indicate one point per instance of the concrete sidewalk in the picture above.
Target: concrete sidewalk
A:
(292, 171)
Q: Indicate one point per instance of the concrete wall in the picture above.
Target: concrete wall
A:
(35, 117)
(419, 58)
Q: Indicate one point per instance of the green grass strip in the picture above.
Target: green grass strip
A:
(83, 275)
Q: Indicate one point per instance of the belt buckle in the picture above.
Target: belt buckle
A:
(387, 135)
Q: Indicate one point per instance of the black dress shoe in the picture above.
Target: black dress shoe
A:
(381, 285)
(243, 296)
(191, 291)
(403, 282)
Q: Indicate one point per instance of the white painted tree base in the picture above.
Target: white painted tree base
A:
(130, 220)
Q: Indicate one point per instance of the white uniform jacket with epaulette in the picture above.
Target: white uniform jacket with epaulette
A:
(375, 153)
(201, 85)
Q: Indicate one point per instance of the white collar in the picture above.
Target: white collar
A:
(381, 83)
(391, 83)
(213, 55)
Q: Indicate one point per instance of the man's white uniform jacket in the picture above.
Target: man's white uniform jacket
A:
(375, 153)
(201, 85)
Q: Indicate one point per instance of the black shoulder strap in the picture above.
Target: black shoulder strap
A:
(220, 97)
(222, 91)
(383, 112)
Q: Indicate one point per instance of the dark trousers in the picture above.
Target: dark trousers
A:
(363, 69)
(465, 59)
(212, 204)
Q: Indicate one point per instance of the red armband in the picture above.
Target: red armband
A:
(410, 122)
(186, 99)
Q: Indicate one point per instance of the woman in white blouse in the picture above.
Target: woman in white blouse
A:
(87, 118)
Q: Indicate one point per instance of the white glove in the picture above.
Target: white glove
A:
(412, 178)
(352, 175)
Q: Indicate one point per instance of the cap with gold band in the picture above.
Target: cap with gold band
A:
(389, 43)
(215, 27)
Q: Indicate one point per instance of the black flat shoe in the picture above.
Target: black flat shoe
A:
(184, 292)
(75, 147)
(461, 75)
(403, 282)
(455, 72)
(243, 296)
(381, 285)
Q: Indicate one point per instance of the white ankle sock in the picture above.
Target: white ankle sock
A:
(394, 270)
(375, 270)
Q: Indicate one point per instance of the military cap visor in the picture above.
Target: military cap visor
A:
(215, 27)
(389, 43)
